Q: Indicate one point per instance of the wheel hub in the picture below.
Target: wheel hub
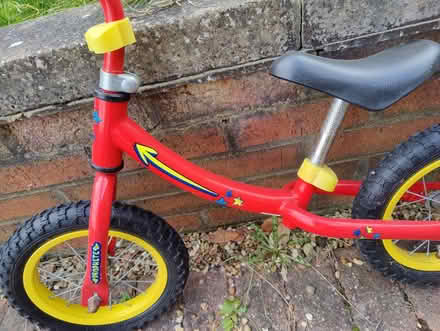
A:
(433, 201)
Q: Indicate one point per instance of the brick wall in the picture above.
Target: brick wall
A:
(253, 128)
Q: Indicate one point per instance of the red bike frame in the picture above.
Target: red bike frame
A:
(115, 134)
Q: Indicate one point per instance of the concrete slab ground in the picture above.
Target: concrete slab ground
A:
(331, 295)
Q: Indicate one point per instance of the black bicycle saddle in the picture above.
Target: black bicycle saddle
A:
(374, 82)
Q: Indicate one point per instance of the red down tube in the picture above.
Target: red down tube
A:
(140, 145)
(289, 202)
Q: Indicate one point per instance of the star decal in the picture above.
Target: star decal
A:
(238, 202)
(96, 117)
(221, 202)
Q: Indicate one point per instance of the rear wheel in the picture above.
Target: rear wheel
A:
(43, 265)
(403, 187)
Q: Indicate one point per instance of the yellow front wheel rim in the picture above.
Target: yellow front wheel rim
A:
(418, 261)
(58, 308)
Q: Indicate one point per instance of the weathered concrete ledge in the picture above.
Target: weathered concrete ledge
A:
(45, 65)
(329, 21)
(46, 62)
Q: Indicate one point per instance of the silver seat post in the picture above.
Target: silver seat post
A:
(328, 131)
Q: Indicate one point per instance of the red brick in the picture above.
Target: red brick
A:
(32, 175)
(373, 162)
(48, 133)
(257, 163)
(131, 164)
(188, 222)
(289, 122)
(129, 187)
(78, 192)
(221, 216)
(378, 139)
(323, 202)
(143, 183)
(27, 205)
(196, 141)
(194, 100)
(7, 230)
(275, 181)
(175, 204)
(424, 98)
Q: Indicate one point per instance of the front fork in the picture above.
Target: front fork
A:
(95, 290)
(110, 110)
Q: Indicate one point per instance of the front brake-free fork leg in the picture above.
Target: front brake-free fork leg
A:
(95, 290)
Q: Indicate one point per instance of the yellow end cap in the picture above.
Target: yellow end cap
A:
(321, 177)
(108, 37)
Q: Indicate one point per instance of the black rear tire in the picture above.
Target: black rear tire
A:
(407, 160)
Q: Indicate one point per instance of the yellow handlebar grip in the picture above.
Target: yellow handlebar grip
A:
(108, 37)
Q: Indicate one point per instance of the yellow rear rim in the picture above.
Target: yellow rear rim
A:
(418, 261)
(59, 308)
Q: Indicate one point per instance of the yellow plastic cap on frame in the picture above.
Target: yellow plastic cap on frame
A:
(321, 177)
(108, 37)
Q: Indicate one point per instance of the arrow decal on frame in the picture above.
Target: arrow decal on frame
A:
(148, 156)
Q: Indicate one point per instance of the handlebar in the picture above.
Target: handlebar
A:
(113, 10)
(113, 61)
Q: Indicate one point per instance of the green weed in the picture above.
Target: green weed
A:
(124, 297)
(230, 312)
(274, 249)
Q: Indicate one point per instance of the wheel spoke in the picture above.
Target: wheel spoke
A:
(56, 276)
(73, 294)
(423, 197)
(139, 281)
(124, 275)
(74, 298)
(415, 249)
(75, 274)
(135, 288)
(429, 205)
(75, 252)
(409, 203)
(124, 250)
(131, 260)
(68, 291)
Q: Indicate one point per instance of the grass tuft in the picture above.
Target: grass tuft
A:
(16, 11)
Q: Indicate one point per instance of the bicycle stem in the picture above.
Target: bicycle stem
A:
(328, 131)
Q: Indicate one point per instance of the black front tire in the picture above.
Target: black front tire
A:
(72, 217)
